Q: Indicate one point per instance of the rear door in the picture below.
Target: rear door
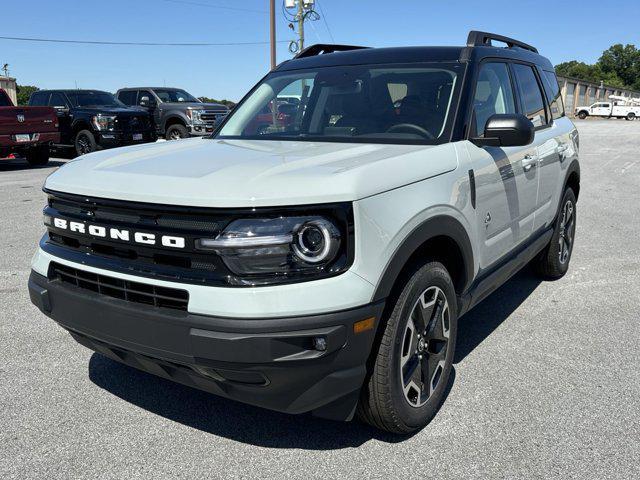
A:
(60, 104)
(554, 144)
(506, 183)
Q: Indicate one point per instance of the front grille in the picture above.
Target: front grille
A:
(136, 292)
(211, 115)
(172, 264)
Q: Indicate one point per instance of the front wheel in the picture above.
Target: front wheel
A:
(85, 142)
(176, 132)
(553, 261)
(631, 116)
(415, 357)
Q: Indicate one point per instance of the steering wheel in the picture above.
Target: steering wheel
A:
(411, 128)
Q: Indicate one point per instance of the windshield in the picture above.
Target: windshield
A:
(379, 103)
(94, 99)
(170, 95)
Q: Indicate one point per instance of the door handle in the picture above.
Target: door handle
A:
(530, 160)
(563, 147)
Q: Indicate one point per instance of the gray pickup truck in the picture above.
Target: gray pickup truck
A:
(176, 113)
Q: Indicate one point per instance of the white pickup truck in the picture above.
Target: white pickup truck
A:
(615, 109)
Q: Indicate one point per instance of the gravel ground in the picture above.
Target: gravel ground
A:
(546, 384)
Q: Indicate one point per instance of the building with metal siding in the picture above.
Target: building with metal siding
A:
(577, 92)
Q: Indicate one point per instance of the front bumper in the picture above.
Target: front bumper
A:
(270, 363)
(199, 129)
(121, 139)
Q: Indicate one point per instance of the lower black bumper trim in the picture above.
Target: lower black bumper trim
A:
(271, 363)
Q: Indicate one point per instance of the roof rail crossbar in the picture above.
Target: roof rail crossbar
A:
(321, 49)
(479, 39)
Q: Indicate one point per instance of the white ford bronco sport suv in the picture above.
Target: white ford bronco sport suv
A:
(321, 264)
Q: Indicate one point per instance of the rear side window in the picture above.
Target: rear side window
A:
(57, 100)
(39, 99)
(128, 97)
(530, 94)
(494, 94)
(552, 89)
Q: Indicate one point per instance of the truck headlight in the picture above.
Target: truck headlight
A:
(281, 247)
(104, 123)
(195, 116)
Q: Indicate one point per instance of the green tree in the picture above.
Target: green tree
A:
(624, 61)
(24, 92)
(619, 66)
(228, 103)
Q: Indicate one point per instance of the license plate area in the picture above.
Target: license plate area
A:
(22, 137)
(137, 137)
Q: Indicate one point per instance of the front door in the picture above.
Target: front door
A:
(506, 178)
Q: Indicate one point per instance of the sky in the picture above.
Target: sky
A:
(561, 30)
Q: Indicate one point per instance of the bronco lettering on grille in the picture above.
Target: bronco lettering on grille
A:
(124, 235)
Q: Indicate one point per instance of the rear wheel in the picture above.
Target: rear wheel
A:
(582, 115)
(631, 116)
(38, 156)
(176, 132)
(414, 360)
(553, 261)
(85, 142)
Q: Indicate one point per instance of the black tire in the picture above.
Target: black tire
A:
(176, 132)
(85, 142)
(38, 156)
(582, 115)
(631, 116)
(553, 261)
(385, 402)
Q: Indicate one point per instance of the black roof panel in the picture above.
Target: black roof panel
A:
(372, 56)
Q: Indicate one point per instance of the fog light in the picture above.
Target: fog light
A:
(320, 343)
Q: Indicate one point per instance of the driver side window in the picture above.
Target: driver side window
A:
(494, 94)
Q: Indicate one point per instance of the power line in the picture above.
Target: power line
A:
(209, 5)
(324, 19)
(144, 44)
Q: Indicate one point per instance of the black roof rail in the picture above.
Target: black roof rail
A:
(321, 49)
(479, 39)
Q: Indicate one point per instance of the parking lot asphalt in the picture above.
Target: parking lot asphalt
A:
(546, 383)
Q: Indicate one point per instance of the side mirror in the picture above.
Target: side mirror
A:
(61, 110)
(506, 130)
(145, 102)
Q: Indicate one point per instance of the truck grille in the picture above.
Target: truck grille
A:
(121, 289)
(156, 261)
(212, 115)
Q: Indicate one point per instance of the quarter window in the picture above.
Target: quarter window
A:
(554, 97)
(494, 94)
(530, 94)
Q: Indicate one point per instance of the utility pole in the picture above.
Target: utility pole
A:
(272, 22)
(300, 18)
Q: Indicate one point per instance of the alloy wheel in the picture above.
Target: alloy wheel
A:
(84, 144)
(424, 346)
(567, 230)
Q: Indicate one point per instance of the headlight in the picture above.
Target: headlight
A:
(195, 115)
(281, 247)
(104, 122)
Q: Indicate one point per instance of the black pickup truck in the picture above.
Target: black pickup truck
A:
(92, 119)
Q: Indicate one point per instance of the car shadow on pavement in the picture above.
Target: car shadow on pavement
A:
(489, 314)
(19, 164)
(257, 426)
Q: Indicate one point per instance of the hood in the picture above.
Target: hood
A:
(195, 105)
(124, 111)
(242, 173)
